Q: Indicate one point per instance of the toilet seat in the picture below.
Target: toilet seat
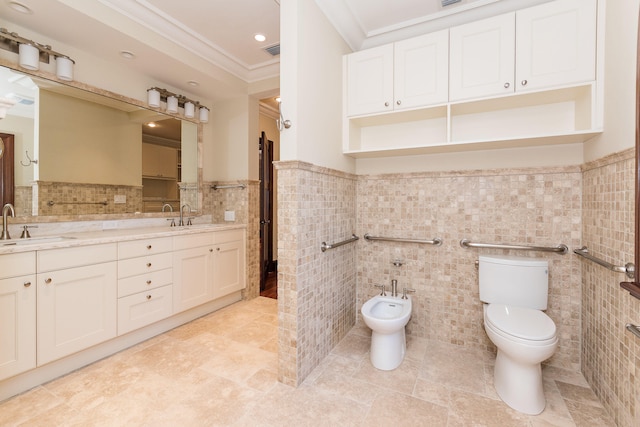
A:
(519, 323)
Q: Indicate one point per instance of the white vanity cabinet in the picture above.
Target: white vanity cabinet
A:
(76, 299)
(17, 313)
(549, 45)
(404, 75)
(193, 270)
(145, 279)
(228, 262)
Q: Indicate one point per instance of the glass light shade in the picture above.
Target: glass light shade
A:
(189, 109)
(153, 98)
(204, 114)
(64, 68)
(29, 56)
(172, 104)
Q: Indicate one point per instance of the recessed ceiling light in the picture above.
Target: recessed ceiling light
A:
(20, 7)
(260, 37)
(127, 54)
(152, 124)
(193, 83)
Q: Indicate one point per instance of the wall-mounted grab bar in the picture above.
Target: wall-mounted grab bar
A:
(436, 241)
(326, 246)
(561, 249)
(220, 187)
(628, 269)
(51, 203)
(634, 329)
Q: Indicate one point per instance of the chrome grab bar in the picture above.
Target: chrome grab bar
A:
(628, 269)
(51, 203)
(561, 249)
(220, 187)
(634, 329)
(326, 246)
(436, 241)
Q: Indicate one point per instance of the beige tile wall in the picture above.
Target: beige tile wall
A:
(539, 207)
(316, 290)
(610, 354)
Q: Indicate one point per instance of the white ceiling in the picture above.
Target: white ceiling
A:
(211, 41)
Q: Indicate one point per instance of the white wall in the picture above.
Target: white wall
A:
(311, 86)
(620, 80)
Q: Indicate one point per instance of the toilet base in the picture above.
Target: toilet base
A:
(519, 385)
(388, 350)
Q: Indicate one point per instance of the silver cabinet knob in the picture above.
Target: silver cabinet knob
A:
(506, 85)
(148, 264)
(148, 282)
(524, 82)
(149, 247)
(148, 296)
(398, 102)
(27, 284)
(386, 104)
(47, 280)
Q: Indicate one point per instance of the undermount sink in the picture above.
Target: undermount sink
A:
(34, 240)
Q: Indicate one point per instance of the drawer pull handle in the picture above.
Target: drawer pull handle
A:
(148, 264)
(210, 250)
(27, 284)
(47, 280)
(148, 296)
(148, 282)
(386, 104)
(218, 249)
(506, 85)
(148, 246)
(524, 82)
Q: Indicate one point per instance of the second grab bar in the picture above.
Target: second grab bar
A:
(326, 246)
(562, 248)
(628, 269)
(436, 241)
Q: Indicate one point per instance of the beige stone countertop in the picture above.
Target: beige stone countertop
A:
(67, 240)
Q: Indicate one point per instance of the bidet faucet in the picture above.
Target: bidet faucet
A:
(186, 205)
(5, 222)
(394, 288)
(405, 291)
(382, 293)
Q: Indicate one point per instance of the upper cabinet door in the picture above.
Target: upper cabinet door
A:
(421, 70)
(556, 44)
(370, 81)
(482, 58)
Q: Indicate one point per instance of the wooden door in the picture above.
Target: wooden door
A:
(6, 170)
(266, 208)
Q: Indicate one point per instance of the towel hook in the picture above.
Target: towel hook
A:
(281, 122)
(30, 160)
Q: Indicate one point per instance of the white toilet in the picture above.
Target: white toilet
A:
(387, 316)
(515, 292)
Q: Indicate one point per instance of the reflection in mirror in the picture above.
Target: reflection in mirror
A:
(81, 153)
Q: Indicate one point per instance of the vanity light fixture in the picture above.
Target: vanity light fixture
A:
(31, 53)
(156, 95)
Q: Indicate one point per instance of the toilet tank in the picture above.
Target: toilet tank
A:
(519, 281)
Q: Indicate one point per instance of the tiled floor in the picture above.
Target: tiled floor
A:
(220, 370)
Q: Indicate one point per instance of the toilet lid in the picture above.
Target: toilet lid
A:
(525, 323)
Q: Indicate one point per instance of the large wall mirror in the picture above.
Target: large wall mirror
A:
(77, 151)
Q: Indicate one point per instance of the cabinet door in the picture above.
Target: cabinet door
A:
(421, 71)
(144, 308)
(482, 58)
(229, 268)
(192, 282)
(556, 44)
(17, 325)
(76, 309)
(370, 81)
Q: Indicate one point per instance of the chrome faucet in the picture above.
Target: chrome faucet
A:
(394, 288)
(167, 205)
(5, 222)
(181, 223)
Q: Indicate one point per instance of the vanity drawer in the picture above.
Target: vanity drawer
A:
(144, 308)
(228, 236)
(59, 259)
(144, 264)
(137, 248)
(192, 241)
(143, 282)
(20, 264)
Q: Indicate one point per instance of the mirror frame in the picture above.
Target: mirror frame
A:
(132, 101)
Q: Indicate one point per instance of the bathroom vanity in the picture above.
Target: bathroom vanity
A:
(69, 300)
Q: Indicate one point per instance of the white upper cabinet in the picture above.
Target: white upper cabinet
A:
(556, 44)
(482, 58)
(408, 74)
(553, 44)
